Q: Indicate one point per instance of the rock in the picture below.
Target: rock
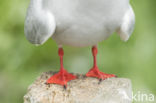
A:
(82, 90)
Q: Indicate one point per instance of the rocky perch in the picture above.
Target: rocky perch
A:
(82, 90)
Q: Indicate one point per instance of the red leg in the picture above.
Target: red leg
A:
(94, 72)
(62, 77)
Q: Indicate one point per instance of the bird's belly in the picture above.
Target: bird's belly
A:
(80, 36)
(86, 22)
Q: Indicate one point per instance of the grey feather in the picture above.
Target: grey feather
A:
(127, 25)
(39, 23)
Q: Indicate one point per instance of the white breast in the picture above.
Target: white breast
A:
(77, 22)
(86, 22)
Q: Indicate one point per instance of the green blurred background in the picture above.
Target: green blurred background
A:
(21, 62)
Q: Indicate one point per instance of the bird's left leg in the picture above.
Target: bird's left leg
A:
(94, 71)
(62, 77)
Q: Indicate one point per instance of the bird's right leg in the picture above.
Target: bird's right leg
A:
(62, 77)
(94, 71)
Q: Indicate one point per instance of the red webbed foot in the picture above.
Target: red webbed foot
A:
(94, 72)
(61, 78)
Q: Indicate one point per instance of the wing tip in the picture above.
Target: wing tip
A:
(124, 38)
(37, 42)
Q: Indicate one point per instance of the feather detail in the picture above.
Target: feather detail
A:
(39, 24)
(127, 25)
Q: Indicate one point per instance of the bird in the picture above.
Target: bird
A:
(78, 23)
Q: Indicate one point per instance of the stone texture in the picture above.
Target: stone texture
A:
(81, 90)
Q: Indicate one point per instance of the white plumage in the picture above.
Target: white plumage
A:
(78, 22)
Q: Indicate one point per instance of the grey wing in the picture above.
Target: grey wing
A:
(39, 25)
(127, 25)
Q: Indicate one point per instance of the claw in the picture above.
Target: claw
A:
(65, 87)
